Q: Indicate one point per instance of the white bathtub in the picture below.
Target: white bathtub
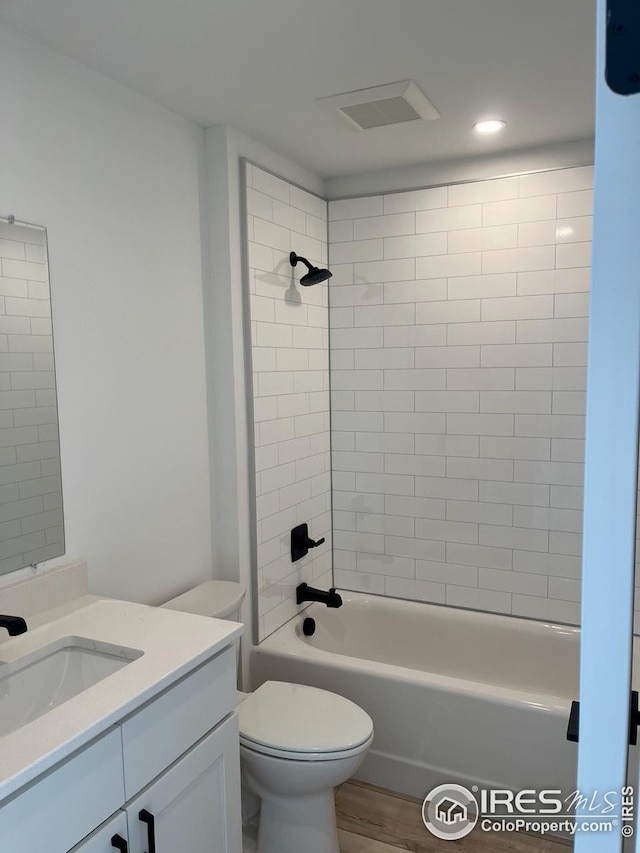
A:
(454, 695)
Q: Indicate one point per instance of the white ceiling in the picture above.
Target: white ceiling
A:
(260, 65)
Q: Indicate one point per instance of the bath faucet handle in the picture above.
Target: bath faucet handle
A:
(301, 542)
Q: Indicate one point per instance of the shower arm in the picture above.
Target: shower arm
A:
(294, 258)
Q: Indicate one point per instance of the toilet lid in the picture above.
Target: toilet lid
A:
(300, 719)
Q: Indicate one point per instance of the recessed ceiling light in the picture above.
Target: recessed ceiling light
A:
(493, 125)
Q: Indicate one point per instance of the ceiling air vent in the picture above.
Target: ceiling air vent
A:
(381, 106)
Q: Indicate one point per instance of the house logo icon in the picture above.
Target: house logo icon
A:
(450, 812)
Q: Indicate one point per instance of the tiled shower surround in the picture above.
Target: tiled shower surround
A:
(290, 356)
(458, 352)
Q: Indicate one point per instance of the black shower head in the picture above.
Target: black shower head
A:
(315, 274)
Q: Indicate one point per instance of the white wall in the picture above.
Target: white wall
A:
(114, 178)
(226, 345)
(458, 376)
(290, 358)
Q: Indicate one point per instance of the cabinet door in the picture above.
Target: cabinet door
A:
(194, 806)
(109, 838)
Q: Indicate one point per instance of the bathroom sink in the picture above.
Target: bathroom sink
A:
(43, 679)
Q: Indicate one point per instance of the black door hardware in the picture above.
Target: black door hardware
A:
(301, 543)
(148, 818)
(120, 844)
(573, 728)
(623, 46)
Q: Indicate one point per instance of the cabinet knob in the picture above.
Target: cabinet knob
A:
(148, 818)
(120, 844)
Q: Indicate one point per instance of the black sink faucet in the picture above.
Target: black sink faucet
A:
(304, 592)
(14, 624)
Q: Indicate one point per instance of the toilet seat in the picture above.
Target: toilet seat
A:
(303, 756)
(301, 723)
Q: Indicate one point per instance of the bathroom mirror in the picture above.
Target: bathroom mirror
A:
(31, 520)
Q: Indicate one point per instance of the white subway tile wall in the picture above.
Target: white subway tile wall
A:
(458, 375)
(290, 355)
(31, 525)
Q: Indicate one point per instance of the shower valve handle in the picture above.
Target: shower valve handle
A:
(301, 542)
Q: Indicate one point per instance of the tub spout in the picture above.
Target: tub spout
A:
(14, 624)
(304, 592)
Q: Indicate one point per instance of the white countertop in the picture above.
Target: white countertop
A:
(172, 644)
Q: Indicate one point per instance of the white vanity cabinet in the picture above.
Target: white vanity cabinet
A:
(109, 838)
(164, 779)
(191, 807)
(188, 807)
(62, 806)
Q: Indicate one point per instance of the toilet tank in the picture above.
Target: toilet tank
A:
(217, 599)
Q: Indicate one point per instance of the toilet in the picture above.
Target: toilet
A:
(218, 599)
(297, 743)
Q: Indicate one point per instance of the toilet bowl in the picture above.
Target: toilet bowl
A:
(297, 743)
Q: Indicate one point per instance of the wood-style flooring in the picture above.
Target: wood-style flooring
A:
(371, 820)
